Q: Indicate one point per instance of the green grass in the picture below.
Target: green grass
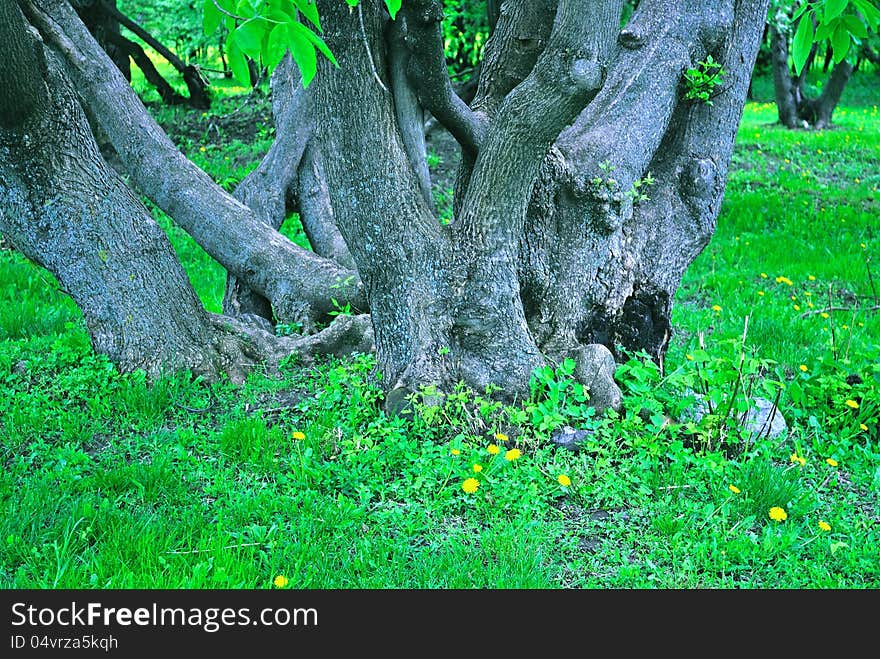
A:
(111, 483)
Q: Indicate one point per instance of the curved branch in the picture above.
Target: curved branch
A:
(296, 281)
(421, 26)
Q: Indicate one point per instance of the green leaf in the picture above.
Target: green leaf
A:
(834, 8)
(393, 7)
(245, 9)
(276, 46)
(303, 52)
(249, 36)
(855, 27)
(802, 42)
(801, 10)
(310, 10)
(211, 17)
(840, 43)
(316, 41)
(352, 3)
(237, 62)
(869, 11)
(825, 30)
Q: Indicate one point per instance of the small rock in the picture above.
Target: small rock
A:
(595, 369)
(757, 420)
(570, 438)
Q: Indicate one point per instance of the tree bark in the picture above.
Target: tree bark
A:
(555, 251)
(62, 207)
(195, 82)
(296, 281)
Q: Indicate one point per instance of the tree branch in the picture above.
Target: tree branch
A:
(296, 281)
(569, 72)
(420, 23)
(23, 92)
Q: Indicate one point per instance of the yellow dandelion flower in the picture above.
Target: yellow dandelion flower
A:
(734, 489)
(715, 307)
(825, 526)
(280, 581)
(202, 149)
(797, 307)
(863, 427)
(793, 457)
(831, 461)
(761, 293)
(477, 468)
(298, 435)
(470, 485)
(493, 449)
(778, 514)
(824, 314)
(455, 451)
(763, 275)
(863, 246)
(563, 480)
(810, 304)
(690, 358)
(811, 278)
(784, 280)
(803, 367)
(500, 436)
(853, 404)
(512, 454)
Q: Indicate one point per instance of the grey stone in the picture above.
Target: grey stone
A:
(595, 369)
(763, 419)
(570, 438)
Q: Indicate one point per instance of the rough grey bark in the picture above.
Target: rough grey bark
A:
(445, 301)
(542, 261)
(63, 207)
(794, 107)
(550, 254)
(289, 177)
(106, 31)
(394, 238)
(612, 277)
(295, 280)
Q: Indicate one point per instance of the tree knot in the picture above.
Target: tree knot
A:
(631, 40)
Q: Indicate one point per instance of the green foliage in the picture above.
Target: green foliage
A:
(264, 30)
(701, 80)
(840, 23)
(465, 33)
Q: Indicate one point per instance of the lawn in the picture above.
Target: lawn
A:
(111, 482)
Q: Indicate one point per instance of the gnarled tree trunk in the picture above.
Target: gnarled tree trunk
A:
(554, 251)
(64, 208)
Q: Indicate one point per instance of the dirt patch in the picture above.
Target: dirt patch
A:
(243, 118)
